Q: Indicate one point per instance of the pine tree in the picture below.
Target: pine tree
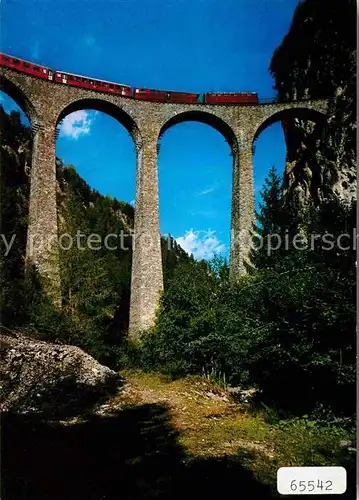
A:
(272, 222)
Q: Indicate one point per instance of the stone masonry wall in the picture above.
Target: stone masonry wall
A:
(47, 103)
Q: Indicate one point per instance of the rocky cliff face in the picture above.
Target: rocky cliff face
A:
(316, 59)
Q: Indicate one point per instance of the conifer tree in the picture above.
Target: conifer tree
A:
(271, 223)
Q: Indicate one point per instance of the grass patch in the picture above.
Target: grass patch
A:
(210, 424)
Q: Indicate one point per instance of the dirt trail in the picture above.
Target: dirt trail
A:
(207, 418)
(209, 425)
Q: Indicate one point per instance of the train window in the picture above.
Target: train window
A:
(111, 86)
(6, 58)
(91, 82)
(70, 77)
(36, 68)
(27, 65)
(16, 61)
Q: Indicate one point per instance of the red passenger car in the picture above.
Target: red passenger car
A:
(26, 67)
(165, 96)
(93, 84)
(231, 98)
(56, 76)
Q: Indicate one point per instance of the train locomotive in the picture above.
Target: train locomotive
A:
(144, 94)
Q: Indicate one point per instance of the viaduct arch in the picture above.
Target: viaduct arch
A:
(109, 108)
(47, 103)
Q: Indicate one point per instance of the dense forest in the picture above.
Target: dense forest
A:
(288, 326)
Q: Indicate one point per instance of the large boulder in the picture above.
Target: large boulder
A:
(46, 378)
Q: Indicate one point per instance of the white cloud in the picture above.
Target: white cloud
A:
(202, 244)
(77, 124)
(207, 191)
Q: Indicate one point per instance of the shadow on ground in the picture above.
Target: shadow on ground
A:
(133, 455)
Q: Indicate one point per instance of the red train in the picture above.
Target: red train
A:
(231, 98)
(93, 84)
(166, 96)
(64, 78)
(26, 67)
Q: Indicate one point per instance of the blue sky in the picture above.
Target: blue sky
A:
(189, 45)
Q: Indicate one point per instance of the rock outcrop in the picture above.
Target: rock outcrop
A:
(50, 379)
(317, 59)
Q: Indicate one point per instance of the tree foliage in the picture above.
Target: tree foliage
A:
(288, 327)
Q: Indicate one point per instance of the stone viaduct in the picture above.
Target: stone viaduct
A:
(47, 103)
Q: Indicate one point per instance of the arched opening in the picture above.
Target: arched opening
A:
(14, 98)
(96, 166)
(195, 183)
(277, 143)
(15, 168)
(98, 138)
